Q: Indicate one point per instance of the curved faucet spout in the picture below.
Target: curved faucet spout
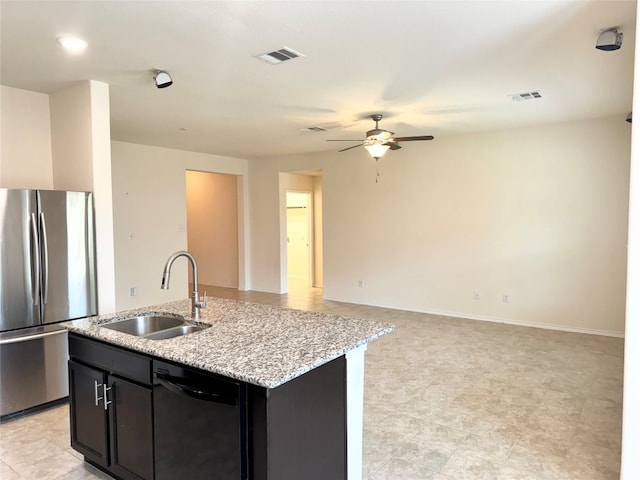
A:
(196, 302)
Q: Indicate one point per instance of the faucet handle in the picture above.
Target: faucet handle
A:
(202, 301)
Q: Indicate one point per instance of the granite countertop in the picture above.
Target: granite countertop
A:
(259, 344)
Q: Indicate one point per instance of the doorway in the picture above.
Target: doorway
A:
(299, 239)
(212, 226)
(308, 276)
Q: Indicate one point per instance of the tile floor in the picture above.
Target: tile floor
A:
(445, 399)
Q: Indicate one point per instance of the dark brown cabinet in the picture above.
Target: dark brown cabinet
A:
(111, 415)
(299, 428)
(88, 417)
(127, 408)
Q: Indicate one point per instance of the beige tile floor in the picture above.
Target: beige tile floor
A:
(445, 399)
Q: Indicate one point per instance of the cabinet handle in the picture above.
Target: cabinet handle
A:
(106, 402)
(96, 386)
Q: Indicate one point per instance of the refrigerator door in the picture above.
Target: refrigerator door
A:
(67, 244)
(19, 288)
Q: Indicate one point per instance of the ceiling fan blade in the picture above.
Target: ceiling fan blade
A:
(410, 139)
(393, 145)
(349, 148)
(335, 140)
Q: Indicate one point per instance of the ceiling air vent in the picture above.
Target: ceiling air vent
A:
(518, 97)
(315, 128)
(279, 56)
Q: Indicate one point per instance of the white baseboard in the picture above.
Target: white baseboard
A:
(508, 321)
(546, 326)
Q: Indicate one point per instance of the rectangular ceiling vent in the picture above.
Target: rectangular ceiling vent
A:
(315, 128)
(279, 56)
(519, 97)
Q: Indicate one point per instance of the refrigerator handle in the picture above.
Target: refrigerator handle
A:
(35, 261)
(45, 260)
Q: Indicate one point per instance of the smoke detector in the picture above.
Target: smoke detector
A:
(609, 39)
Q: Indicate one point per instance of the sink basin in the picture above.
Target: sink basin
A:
(144, 324)
(155, 327)
(174, 332)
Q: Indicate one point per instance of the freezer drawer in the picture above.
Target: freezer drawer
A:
(33, 367)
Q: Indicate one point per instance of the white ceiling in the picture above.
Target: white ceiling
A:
(432, 67)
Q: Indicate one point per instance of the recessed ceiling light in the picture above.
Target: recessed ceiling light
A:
(73, 44)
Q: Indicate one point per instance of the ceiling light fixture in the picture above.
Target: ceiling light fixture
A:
(377, 150)
(162, 78)
(73, 44)
(609, 39)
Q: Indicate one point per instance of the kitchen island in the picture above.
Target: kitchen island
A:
(295, 378)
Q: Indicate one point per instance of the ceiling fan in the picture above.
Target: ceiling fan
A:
(378, 141)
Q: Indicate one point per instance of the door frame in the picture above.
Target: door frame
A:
(310, 235)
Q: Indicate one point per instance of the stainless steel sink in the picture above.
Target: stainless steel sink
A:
(144, 324)
(154, 327)
(175, 332)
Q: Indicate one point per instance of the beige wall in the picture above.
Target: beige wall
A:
(25, 139)
(150, 217)
(212, 226)
(62, 142)
(71, 138)
(538, 214)
(318, 273)
(80, 137)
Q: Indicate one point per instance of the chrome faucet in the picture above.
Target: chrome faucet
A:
(196, 302)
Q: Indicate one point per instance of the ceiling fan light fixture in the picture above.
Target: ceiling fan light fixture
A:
(72, 44)
(377, 150)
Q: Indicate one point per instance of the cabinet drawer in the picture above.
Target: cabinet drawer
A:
(132, 365)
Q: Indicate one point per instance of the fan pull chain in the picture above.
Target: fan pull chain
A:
(377, 170)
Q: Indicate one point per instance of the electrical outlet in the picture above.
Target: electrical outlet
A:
(505, 298)
(133, 291)
(476, 295)
(360, 283)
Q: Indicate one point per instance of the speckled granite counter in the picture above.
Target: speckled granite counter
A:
(259, 344)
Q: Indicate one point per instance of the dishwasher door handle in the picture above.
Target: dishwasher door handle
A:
(172, 384)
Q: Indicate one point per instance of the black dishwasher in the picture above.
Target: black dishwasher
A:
(199, 425)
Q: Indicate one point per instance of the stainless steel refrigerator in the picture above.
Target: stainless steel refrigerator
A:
(47, 275)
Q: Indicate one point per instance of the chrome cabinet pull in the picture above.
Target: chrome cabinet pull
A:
(106, 402)
(96, 386)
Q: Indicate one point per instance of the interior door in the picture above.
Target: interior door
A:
(299, 230)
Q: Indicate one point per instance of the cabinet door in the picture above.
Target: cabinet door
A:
(88, 416)
(131, 421)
